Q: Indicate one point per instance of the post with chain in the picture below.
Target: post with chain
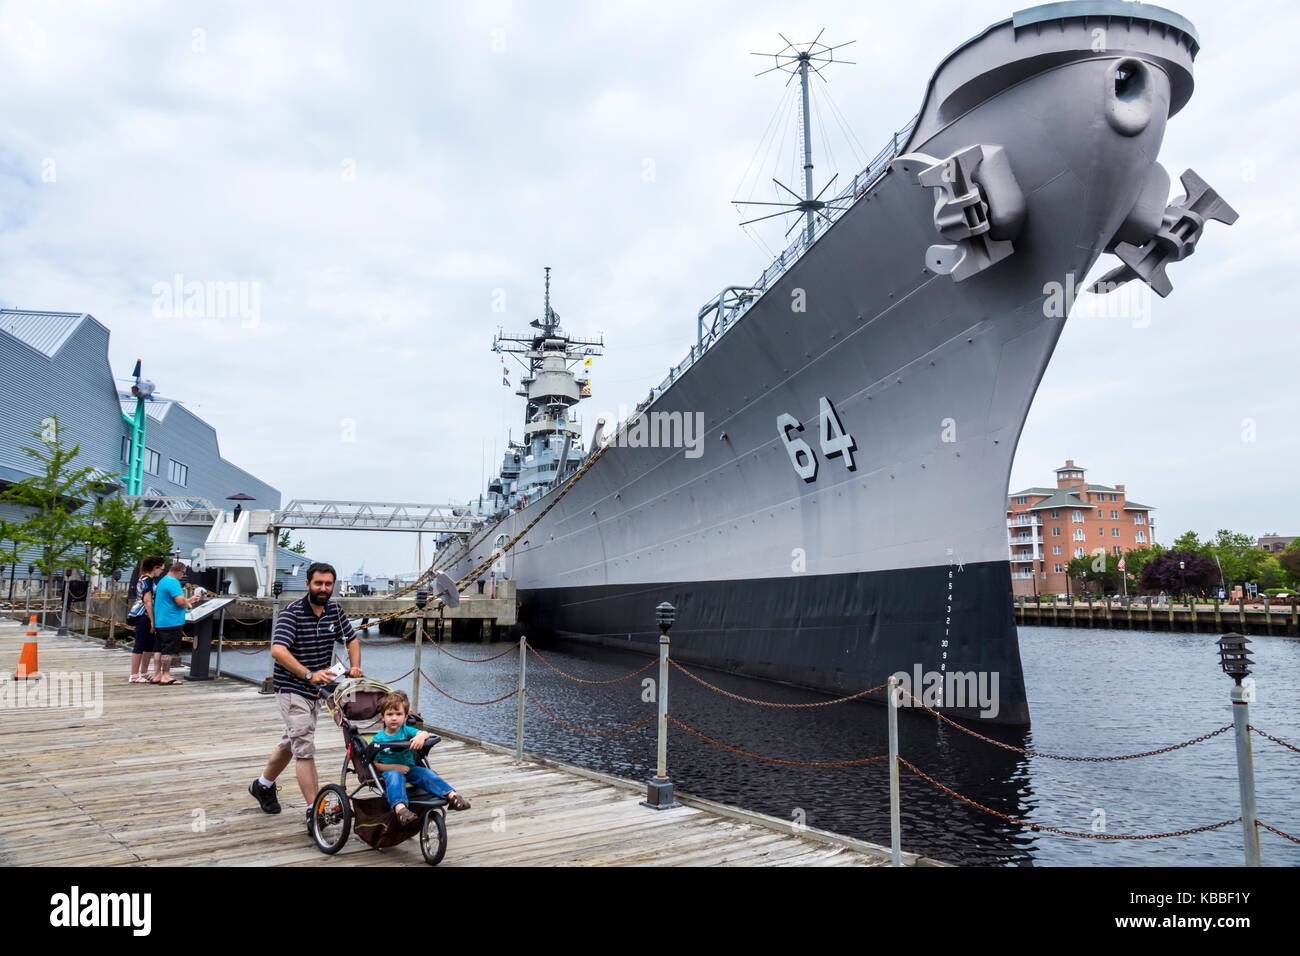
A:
(63, 618)
(659, 789)
(519, 715)
(421, 599)
(895, 825)
(1234, 657)
(268, 685)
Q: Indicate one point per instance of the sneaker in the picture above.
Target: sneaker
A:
(265, 796)
(406, 816)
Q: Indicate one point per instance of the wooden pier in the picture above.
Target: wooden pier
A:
(160, 776)
(1281, 619)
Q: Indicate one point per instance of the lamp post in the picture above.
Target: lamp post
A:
(1234, 657)
(1182, 571)
(659, 789)
(27, 613)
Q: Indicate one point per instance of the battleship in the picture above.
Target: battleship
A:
(841, 514)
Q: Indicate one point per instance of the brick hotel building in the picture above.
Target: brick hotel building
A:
(1046, 527)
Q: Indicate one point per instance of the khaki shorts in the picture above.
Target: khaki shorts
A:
(299, 715)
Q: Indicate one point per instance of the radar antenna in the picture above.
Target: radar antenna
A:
(800, 60)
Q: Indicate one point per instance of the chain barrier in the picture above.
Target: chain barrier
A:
(579, 680)
(1074, 833)
(1276, 740)
(1281, 833)
(788, 763)
(1047, 756)
(475, 660)
(768, 703)
(472, 703)
(584, 730)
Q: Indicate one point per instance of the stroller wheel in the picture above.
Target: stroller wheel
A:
(331, 819)
(433, 837)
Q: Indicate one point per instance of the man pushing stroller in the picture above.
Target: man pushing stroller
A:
(302, 648)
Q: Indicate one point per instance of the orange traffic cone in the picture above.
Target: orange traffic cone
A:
(27, 669)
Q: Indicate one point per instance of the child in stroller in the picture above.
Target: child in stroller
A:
(398, 766)
(335, 808)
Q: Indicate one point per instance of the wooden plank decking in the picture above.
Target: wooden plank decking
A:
(161, 776)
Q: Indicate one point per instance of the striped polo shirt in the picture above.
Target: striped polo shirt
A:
(310, 640)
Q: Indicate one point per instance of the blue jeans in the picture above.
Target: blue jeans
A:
(395, 783)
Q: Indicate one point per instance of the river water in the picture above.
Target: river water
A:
(1091, 692)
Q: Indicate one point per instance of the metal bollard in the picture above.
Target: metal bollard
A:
(421, 600)
(1234, 657)
(895, 826)
(268, 685)
(1245, 774)
(519, 716)
(659, 789)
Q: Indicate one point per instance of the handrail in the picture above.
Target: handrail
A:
(726, 318)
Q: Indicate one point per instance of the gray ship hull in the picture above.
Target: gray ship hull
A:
(899, 563)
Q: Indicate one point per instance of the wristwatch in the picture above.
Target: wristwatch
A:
(307, 676)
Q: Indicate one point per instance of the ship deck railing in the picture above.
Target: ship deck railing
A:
(735, 301)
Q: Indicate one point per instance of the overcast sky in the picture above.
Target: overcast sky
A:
(387, 177)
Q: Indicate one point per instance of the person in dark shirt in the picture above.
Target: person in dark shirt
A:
(302, 648)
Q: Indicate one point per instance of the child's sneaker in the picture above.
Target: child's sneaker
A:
(265, 796)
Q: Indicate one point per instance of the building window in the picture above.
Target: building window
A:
(1101, 532)
(1057, 567)
(1139, 519)
(152, 461)
(1022, 500)
(1115, 549)
(1099, 514)
(1056, 549)
(1114, 532)
(1077, 516)
(1078, 552)
(1078, 534)
(1114, 515)
(126, 449)
(177, 473)
(1056, 532)
(1056, 513)
(1141, 536)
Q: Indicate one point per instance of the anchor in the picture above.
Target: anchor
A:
(1180, 229)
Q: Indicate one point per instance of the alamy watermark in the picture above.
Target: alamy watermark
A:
(78, 689)
(966, 689)
(661, 430)
(208, 300)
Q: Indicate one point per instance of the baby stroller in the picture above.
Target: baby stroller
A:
(334, 809)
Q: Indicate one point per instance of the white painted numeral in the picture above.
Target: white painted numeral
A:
(835, 440)
(794, 447)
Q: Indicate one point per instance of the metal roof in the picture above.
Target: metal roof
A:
(44, 331)
(155, 410)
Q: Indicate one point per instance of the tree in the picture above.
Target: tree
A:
(299, 548)
(1101, 570)
(124, 534)
(1163, 573)
(1290, 560)
(1187, 541)
(1137, 559)
(57, 527)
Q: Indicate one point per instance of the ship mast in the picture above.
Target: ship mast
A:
(801, 61)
